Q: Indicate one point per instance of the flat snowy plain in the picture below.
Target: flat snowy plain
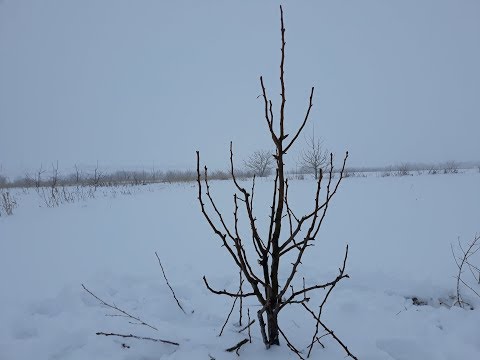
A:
(399, 230)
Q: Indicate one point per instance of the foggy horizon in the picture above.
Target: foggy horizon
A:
(143, 84)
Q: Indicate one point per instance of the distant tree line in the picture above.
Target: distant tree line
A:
(259, 163)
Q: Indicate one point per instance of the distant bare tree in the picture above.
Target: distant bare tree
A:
(404, 169)
(51, 195)
(315, 157)
(432, 170)
(3, 181)
(450, 167)
(96, 179)
(260, 163)
(38, 177)
(77, 175)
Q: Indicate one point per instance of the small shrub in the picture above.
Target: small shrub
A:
(404, 169)
(451, 167)
(7, 203)
(464, 259)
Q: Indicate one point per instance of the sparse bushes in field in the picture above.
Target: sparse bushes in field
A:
(174, 176)
(220, 175)
(387, 172)
(403, 169)
(450, 167)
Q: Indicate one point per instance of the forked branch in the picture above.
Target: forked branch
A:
(121, 311)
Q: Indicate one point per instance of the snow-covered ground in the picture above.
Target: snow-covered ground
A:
(399, 230)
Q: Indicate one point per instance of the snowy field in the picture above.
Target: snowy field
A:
(399, 230)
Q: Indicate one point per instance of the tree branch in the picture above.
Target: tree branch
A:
(171, 289)
(138, 337)
(114, 307)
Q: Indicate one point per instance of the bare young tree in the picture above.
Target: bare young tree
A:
(260, 163)
(49, 192)
(38, 177)
(463, 260)
(404, 169)
(315, 157)
(450, 167)
(282, 247)
(3, 181)
(96, 178)
(432, 170)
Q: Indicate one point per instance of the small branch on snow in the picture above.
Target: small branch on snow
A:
(237, 347)
(139, 337)
(250, 323)
(330, 332)
(171, 289)
(114, 307)
(291, 346)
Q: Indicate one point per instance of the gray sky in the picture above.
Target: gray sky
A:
(130, 83)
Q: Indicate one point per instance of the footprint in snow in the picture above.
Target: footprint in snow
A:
(24, 332)
(50, 308)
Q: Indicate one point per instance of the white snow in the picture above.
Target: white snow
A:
(399, 230)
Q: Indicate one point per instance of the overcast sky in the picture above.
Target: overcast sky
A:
(137, 83)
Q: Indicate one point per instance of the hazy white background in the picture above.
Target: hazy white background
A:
(137, 83)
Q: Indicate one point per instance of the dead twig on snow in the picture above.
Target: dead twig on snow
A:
(171, 289)
(139, 337)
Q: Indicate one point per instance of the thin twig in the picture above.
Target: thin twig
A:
(114, 307)
(250, 323)
(171, 289)
(339, 277)
(241, 301)
(231, 310)
(237, 346)
(460, 262)
(225, 292)
(249, 333)
(291, 346)
(330, 332)
(139, 337)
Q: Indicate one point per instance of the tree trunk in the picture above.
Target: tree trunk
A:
(272, 326)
